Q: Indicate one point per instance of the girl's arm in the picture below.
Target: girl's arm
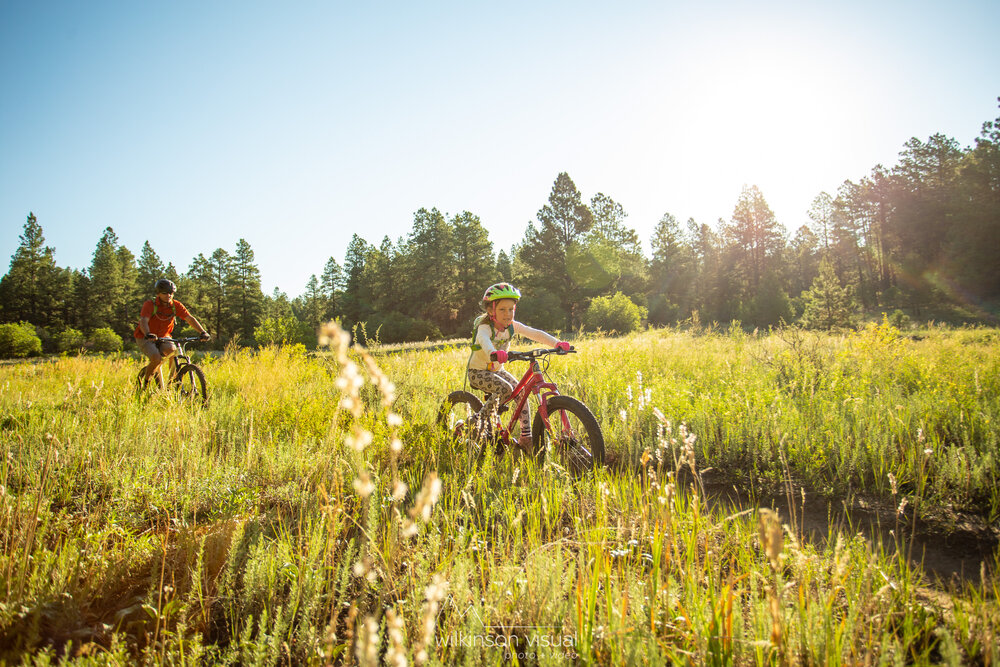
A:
(536, 335)
(483, 338)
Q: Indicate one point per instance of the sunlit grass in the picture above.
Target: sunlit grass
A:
(267, 529)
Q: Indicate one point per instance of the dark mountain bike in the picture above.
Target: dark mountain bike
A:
(561, 423)
(183, 376)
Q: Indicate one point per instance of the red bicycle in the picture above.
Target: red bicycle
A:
(561, 422)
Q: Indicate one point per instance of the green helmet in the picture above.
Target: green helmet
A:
(500, 291)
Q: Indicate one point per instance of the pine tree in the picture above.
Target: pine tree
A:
(544, 256)
(150, 269)
(474, 264)
(312, 303)
(332, 286)
(127, 309)
(430, 263)
(754, 237)
(828, 304)
(106, 287)
(244, 293)
(28, 291)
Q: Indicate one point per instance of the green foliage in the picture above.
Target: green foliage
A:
(614, 314)
(70, 340)
(541, 309)
(279, 331)
(19, 340)
(104, 339)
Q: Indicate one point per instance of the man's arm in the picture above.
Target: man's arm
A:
(193, 321)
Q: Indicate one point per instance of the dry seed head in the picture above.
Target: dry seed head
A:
(366, 646)
(396, 654)
(427, 498)
(358, 439)
(902, 506)
(409, 529)
(892, 484)
(363, 485)
(398, 491)
(772, 537)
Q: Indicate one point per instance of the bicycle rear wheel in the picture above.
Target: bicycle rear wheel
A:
(456, 411)
(572, 432)
(190, 385)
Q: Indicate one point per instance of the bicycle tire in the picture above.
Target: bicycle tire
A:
(579, 449)
(460, 405)
(190, 385)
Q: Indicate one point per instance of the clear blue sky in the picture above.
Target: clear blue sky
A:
(295, 125)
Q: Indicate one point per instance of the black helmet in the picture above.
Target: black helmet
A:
(165, 286)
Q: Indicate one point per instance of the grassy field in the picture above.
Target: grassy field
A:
(312, 513)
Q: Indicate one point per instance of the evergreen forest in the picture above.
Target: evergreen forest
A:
(918, 240)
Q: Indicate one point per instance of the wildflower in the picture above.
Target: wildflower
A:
(399, 491)
(892, 483)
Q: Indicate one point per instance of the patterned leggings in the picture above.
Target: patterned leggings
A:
(498, 386)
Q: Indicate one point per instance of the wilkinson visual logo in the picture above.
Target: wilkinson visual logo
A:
(520, 640)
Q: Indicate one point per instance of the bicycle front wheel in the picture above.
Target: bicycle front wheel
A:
(190, 385)
(572, 433)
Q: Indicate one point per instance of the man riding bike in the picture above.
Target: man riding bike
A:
(156, 320)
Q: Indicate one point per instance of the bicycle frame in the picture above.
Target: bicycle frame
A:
(180, 355)
(532, 382)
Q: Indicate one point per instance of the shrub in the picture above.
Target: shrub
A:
(19, 340)
(279, 331)
(615, 313)
(900, 320)
(395, 327)
(104, 340)
(69, 340)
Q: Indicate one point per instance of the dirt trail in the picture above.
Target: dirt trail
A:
(951, 550)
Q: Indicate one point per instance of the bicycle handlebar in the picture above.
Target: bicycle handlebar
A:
(190, 339)
(533, 354)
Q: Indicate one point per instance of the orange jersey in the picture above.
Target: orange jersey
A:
(161, 322)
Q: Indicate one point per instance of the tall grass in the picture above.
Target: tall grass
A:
(312, 514)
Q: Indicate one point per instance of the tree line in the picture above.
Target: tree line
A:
(920, 237)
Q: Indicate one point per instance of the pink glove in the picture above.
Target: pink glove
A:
(501, 356)
(563, 345)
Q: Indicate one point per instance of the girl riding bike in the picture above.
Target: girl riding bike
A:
(493, 331)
